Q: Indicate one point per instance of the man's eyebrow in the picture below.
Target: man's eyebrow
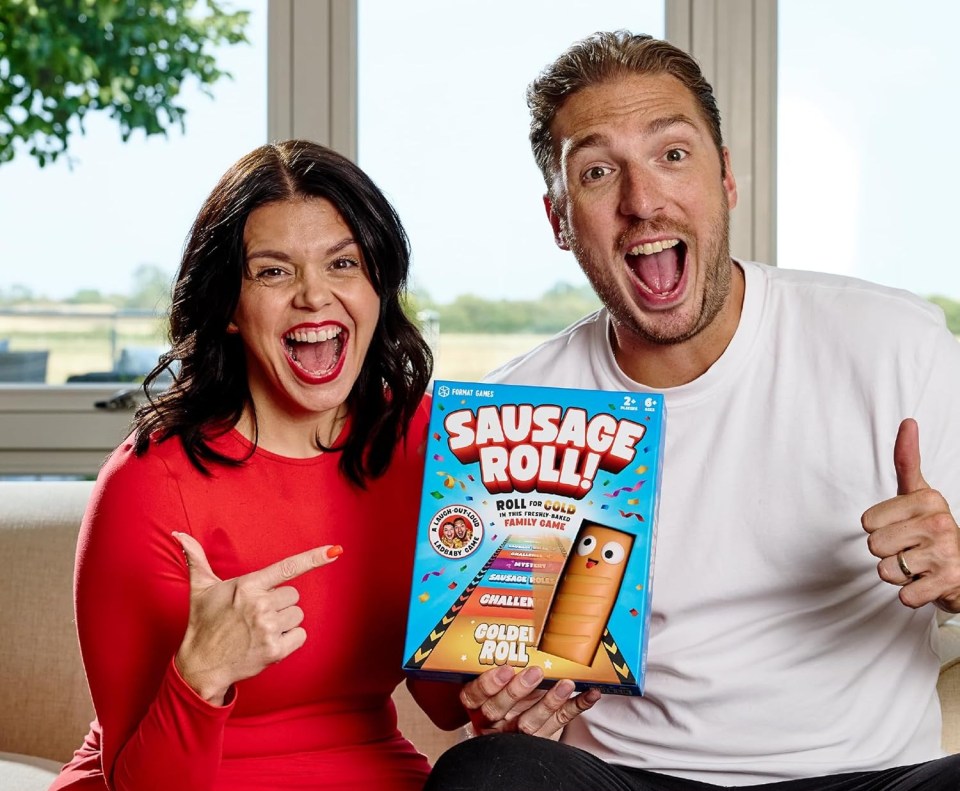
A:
(667, 121)
(655, 126)
(590, 141)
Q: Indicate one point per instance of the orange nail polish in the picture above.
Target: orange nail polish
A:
(334, 552)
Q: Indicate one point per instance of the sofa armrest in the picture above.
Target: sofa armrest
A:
(45, 707)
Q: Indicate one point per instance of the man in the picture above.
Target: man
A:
(460, 531)
(799, 545)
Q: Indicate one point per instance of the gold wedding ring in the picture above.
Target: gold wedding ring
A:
(904, 567)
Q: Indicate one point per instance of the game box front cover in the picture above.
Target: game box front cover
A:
(536, 535)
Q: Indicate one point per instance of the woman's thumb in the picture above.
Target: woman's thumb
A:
(201, 575)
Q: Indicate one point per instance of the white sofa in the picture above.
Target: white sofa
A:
(45, 707)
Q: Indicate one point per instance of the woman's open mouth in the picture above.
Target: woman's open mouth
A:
(316, 353)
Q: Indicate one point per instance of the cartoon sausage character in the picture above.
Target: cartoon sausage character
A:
(586, 593)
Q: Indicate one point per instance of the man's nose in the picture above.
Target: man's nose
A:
(641, 193)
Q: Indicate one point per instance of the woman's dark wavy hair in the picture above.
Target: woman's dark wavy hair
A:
(210, 388)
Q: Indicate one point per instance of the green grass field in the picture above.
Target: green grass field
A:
(470, 357)
(80, 344)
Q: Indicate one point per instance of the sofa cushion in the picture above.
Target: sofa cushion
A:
(24, 773)
(949, 688)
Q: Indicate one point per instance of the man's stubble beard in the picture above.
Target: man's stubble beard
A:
(716, 257)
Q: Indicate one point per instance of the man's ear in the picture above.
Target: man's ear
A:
(729, 182)
(558, 235)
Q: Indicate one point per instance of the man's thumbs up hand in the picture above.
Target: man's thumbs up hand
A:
(914, 534)
(906, 458)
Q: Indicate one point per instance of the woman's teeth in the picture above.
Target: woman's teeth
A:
(313, 336)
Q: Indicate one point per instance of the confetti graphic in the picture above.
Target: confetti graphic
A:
(450, 481)
(615, 492)
(431, 574)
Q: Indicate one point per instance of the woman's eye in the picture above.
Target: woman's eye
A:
(269, 273)
(676, 155)
(345, 263)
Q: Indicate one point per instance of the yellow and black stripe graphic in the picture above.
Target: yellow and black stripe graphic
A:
(616, 658)
(430, 642)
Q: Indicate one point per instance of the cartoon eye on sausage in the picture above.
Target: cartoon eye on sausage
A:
(588, 588)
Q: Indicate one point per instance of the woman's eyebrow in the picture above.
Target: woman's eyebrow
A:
(279, 255)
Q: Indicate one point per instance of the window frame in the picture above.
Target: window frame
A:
(312, 90)
(312, 93)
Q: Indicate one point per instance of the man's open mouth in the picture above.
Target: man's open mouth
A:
(658, 266)
(316, 351)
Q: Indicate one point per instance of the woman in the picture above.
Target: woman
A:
(226, 645)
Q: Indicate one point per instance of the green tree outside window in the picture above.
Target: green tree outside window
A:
(60, 59)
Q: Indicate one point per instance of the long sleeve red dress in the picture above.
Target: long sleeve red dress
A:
(320, 719)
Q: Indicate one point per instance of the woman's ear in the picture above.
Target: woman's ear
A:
(232, 329)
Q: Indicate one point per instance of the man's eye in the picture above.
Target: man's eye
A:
(595, 173)
(676, 155)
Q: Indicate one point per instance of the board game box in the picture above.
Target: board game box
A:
(536, 534)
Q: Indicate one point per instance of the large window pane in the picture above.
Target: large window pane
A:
(867, 158)
(443, 130)
(112, 220)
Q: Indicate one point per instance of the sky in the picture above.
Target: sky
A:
(868, 124)
(867, 159)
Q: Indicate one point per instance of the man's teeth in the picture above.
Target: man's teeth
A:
(653, 247)
(313, 336)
